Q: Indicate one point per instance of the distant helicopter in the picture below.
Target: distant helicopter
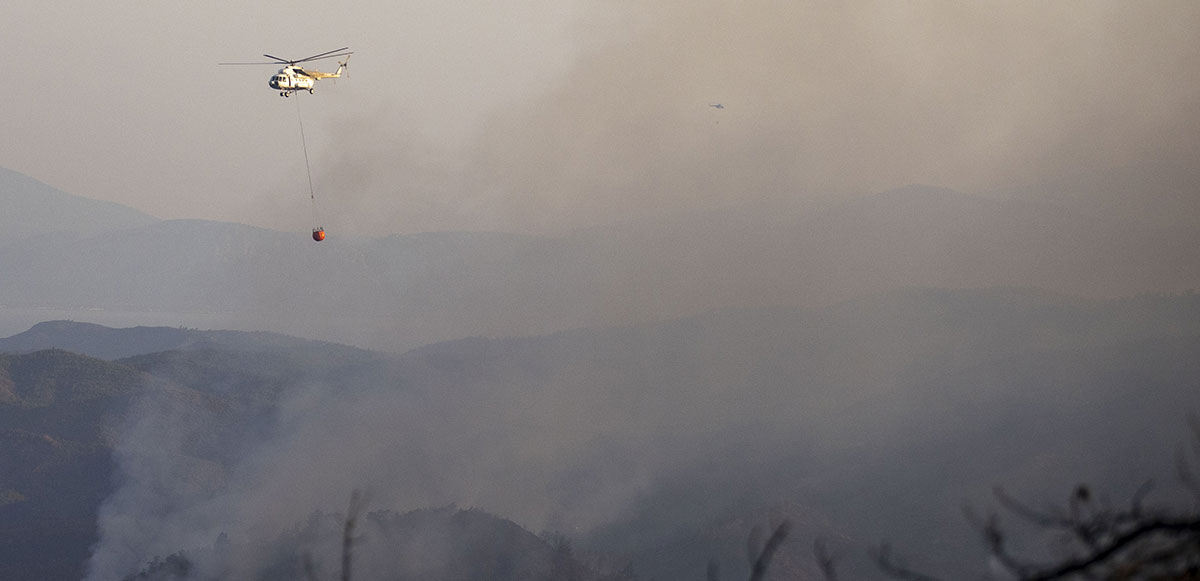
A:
(292, 78)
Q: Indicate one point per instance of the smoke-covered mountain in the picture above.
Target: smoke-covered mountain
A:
(401, 292)
(875, 419)
(108, 343)
(1160, 195)
(663, 444)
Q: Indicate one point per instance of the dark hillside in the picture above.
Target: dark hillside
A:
(63, 419)
(59, 420)
(44, 386)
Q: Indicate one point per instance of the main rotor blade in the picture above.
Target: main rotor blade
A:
(328, 56)
(283, 61)
(324, 55)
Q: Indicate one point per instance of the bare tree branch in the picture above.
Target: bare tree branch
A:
(889, 565)
(824, 560)
(764, 559)
(1039, 518)
(1135, 509)
(1116, 545)
(714, 571)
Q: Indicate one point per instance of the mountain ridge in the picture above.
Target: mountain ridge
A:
(403, 291)
(29, 208)
(110, 343)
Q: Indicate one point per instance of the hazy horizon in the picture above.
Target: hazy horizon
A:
(545, 117)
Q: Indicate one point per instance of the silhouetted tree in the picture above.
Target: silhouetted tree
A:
(358, 501)
(1102, 541)
(1129, 543)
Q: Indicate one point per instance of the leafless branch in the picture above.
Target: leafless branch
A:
(824, 560)
(772, 545)
(1116, 545)
(1135, 504)
(714, 571)
(894, 568)
(1034, 516)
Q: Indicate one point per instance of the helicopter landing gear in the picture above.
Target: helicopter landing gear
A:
(310, 91)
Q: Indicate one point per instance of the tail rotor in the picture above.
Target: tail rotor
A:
(343, 68)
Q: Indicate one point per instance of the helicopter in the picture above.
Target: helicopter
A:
(292, 78)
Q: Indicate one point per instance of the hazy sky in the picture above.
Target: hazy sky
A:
(540, 115)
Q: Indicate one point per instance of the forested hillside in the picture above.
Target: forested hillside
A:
(660, 445)
(60, 419)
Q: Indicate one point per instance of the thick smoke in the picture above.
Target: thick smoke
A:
(517, 451)
(166, 487)
(818, 99)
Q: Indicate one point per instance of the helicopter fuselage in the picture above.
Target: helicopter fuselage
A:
(291, 79)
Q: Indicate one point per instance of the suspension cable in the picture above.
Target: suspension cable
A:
(307, 167)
